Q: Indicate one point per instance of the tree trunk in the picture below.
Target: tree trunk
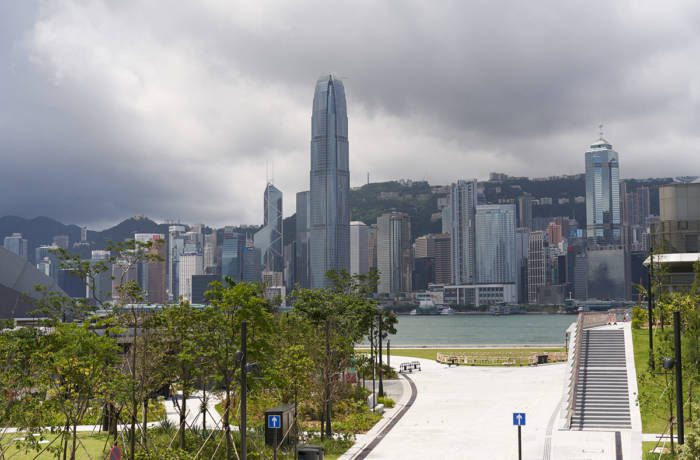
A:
(227, 424)
(327, 392)
(183, 413)
(134, 401)
(75, 442)
(65, 439)
(204, 406)
(144, 421)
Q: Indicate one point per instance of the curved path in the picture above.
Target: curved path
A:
(466, 413)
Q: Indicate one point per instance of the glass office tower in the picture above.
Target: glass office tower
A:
(602, 193)
(329, 181)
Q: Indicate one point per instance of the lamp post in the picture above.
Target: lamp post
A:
(381, 383)
(679, 375)
(244, 390)
(650, 308)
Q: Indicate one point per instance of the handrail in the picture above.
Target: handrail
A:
(584, 320)
(573, 379)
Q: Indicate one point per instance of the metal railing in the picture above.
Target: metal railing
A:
(585, 320)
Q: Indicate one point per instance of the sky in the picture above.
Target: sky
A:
(183, 110)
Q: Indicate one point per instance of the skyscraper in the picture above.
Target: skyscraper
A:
(359, 248)
(394, 253)
(535, 265)
(495, 244)
(269, 238)
(303, 223)
(176, 245)
(17, 244)
(436, 247)
(602, 193)
(462, 210)
(231, 254)
(329, 182)
(190, 264)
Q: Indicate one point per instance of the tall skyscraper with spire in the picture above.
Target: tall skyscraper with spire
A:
(603, 217)
(269, 238)
(329, 182)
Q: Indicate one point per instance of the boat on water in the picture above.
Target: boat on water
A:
(427, 307)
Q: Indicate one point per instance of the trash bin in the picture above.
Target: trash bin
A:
(309, 452)
(542, 359)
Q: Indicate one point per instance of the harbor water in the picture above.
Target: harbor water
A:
(481, 330)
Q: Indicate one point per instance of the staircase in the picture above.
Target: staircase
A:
(602, 398)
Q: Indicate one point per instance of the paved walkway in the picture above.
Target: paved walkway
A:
(466, 413)
(193, 416)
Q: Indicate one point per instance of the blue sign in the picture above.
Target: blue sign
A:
(519, 418)
(273, 421)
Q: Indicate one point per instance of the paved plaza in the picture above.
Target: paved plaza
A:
(466, 412)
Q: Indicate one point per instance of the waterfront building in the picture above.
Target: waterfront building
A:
(17, 244)
(303, 227)
(359, 248)
(495, 244)
(190, 264)
(607, 273)
(394, 253)
(603, 217)
(462, 211)
(678, 227)
(372, 247)
(329, 182)
(535, 265)
(437, 247)
(522, 245)
(479, 295)
(200, 285)
(269, 238)
(251, 263)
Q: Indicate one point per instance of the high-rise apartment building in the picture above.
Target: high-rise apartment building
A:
(522, 247)
(462, 212)
(495, 244)
(303, 226)
(210, 252)
(372, 247)
(330, 182)
(269, 238)
(536, 260)
(359, 248)
(17, 244)
(45, 256)
(394, 254)
(603, 217)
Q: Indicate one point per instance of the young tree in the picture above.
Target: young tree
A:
(231, 304)
(77, 366)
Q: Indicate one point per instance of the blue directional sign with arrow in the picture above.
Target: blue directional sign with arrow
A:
(273, 421)
(519, 418)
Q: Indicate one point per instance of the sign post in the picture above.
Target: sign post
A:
(274, 422)
(519, 421)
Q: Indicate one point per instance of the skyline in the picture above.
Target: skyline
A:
(170, 116)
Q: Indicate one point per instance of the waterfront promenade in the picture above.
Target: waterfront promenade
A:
(466, 412)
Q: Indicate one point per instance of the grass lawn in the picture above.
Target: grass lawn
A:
(648, 446)
(93, 444)
(654, 409)
(431, 353)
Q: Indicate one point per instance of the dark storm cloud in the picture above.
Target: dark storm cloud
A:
(177, 110)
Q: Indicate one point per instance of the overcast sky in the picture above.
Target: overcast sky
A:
(176, 110)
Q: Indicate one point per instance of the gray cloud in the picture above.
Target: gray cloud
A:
(177, 109)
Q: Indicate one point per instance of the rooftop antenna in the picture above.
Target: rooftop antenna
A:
(600, 130)
(367, 177)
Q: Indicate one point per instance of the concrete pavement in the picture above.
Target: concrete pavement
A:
(466, 413)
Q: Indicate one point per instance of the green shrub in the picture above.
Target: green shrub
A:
(387, 401)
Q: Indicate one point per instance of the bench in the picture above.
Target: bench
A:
(405, 367)
(452, 361)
